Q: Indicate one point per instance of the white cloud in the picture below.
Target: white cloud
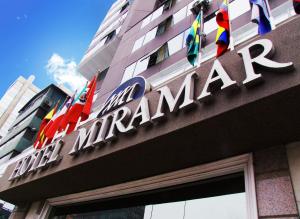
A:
(22, 17)
(64, 72)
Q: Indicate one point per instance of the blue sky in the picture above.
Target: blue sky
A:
(46, 38)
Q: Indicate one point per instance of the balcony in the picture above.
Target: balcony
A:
(100, 56)
(17, 144)
(32, 122)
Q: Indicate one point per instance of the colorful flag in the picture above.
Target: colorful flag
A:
(193, 41)
(64, 122)
(223, 33)
(53, 126)
(297, 6)
(40, 135)
(261, 16)
(81, 107)
(89, 100)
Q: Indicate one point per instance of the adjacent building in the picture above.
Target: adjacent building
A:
(16, 96)
(22, 131)
(169, 140)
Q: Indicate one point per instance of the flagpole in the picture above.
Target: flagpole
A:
(270, 14)
(66, 129)
(201, 35)
(44, 143)
(231, 45)
(77, 124)
(54, 137)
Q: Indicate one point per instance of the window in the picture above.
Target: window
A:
(160, 7)
(128, 72)
(138, 44)
(169, 48)
(167, 4)
(175, 44)
(189, 7)
(157, 31)
(179, 15)
(124, 7)
(110, 36)
(100, 78)
(159, 3)
(196, 200)
(238, 8)
(146, 21)
(159, 55)
(150, 35)
(157, 13)
(210, 24)
(164, 26)
(141, 65)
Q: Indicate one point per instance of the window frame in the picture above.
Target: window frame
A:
(242, 163)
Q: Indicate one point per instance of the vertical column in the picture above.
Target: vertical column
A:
(35, 210)
(293, 153)
(275, 194)
(20, 211)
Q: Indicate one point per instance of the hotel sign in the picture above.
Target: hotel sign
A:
(130, 90)
(124, 120)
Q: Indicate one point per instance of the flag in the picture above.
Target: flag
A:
(261, 16)
(193, 41)
(63, 123)
(296, 4)
(223, 33)
(89, 100)
(74, 112)
(81, 107)
(53, 126)
(40, 135)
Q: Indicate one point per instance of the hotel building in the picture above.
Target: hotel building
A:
(167, 139)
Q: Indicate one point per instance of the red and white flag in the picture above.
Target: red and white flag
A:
(53, 126)
(81, 108)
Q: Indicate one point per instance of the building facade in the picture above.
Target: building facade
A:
(106, 41)
(17, 95)
(170, 140)
(22, 132)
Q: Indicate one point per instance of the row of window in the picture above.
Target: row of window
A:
(169, 48)
(112, 16)
(161, 7)
(156, 31)
(100, 39)
(237, 8)
(165, 5)
(162, 27)
(240, 35)
(109, 37)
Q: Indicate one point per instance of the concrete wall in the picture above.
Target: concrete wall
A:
(274, 190)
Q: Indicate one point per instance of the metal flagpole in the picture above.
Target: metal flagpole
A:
(201, 35)
(78, 123)
(65, 131)
(45, 142)
(54, 137)
(231, 44)
(270, 14)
